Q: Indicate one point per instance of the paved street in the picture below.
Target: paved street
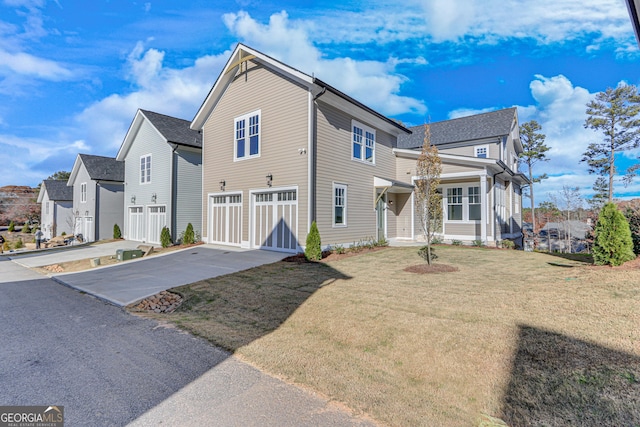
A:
(110, 368)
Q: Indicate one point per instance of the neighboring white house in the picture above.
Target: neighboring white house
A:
(162, 175)
(98, 195)
(56, 204)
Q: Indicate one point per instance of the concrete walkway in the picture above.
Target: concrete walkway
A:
(128, 282)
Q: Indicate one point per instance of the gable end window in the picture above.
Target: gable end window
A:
(145, 169)
(363, 140)
(339, 205)
(83, 192)
(247, 136)
(482, 151)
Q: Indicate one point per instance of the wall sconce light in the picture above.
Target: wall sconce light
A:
(133, 200)
(154, 197)
(269, 179)
(390, 202)
(223, 183)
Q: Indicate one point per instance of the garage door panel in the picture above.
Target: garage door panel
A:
(275, 221)
(226, 219)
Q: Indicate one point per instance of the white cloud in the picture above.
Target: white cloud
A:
(464, 112)
(28, 65)
(376, 84)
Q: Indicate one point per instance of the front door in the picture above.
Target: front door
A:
(381, 215)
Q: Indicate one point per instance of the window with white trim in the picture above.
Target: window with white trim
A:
(475, 207)
(339, 204)
(454, 204)
(482, 151)
(83, 192)
(247, 136)
(46, 208)
(363, 143)
(145, 169)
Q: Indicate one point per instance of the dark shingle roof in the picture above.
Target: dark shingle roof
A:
(103, 168)
(479, 126)
(175, 130)
(57, 190)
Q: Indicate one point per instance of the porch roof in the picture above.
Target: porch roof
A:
(392, 185)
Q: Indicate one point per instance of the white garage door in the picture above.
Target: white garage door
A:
(136, 227)
(87, 229)
(157, 220)
(225, 223)
(275, 221)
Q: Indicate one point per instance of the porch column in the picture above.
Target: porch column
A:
(483, 207)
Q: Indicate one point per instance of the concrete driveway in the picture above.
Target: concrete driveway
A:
(128, 282)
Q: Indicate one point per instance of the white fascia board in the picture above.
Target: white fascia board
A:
(228, 73)
(452, 158)
(74, 171)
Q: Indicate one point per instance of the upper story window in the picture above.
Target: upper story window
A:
(482, 151)
(46, 208)
(363, 143)
(145, 169)
(339, 205)
(83, 192)
(247, 136)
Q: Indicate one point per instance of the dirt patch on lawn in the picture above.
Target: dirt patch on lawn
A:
(329, 256)
(428, 269)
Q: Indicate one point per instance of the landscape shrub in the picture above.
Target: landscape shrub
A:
(19, 243)
(26, 229)
(455, 242)
(165, 237)
(632, 213)
(338, 249)
(5, 246)
(117, 233)
(508, 244)
(612, 242)
(12, 227)
(188, 237)
(478, 243)
(313, 249)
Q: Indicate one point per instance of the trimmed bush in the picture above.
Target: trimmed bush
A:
(508, 244)
(19, 243)
(165, 237)
(477, 243)
(612, 243)
(632, 213)
(12, 227)
(188, 238)
(117, 233)
(26, 229)
(313, 250)
(5, 246)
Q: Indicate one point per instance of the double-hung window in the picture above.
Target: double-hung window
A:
(83, 192)
(145, 169)
(339, 205)
(474, 204)
(247, 136)
(363, 141)
(454, 204)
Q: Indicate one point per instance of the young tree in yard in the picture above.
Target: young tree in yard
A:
(534, 151)
(615, 113)
(612, 242)
(428, 200)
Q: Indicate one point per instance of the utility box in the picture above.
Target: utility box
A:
(127, 254)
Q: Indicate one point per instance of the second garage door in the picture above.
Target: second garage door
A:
(275, 221)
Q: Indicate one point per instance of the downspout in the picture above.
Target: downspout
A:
(96, 214)
(495, 205)
(174, 221)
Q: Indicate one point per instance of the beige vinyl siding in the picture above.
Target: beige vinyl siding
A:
(334, 165)
(283, 131)
(469, 150)
(455, 168)
(403, 208)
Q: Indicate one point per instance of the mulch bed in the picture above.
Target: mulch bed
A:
(428, 269)
(328, 256)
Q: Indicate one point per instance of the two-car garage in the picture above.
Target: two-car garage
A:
(273, 219)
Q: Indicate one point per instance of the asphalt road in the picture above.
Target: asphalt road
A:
(110, 368)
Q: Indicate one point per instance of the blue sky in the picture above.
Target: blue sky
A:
(73, 73)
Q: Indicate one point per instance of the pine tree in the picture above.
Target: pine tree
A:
(117, 233)
(616, 113)
(165, 237)
(612, 241)
(534, 151)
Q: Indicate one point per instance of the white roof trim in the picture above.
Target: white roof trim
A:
(74, 171)
(132, 132)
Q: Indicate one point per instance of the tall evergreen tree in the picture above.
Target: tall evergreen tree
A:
(612, 244)
(615, 113)
(534, 151)
(428, 200)
(601, 194)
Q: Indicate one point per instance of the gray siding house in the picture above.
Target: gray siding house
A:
(56, 207)
(98, 196)
(162, 175)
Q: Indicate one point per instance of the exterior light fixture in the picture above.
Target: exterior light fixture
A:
(154, 197)
(223, 183)
(269, 179)
(133, 200)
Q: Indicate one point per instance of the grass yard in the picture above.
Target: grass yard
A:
(526, 338)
